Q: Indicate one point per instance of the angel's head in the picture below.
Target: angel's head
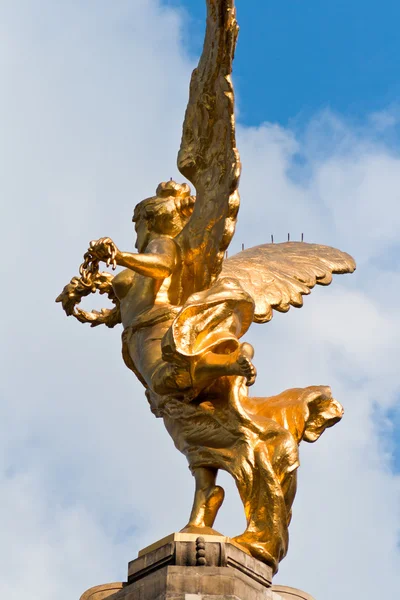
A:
(166, 213)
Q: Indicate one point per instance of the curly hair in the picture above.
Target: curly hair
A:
(169, 210)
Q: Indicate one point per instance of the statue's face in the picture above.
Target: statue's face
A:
(142, 234)
(163, 220)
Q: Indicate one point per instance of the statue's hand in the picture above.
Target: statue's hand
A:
(105, 250)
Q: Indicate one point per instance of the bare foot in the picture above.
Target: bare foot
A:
(245, 365)
(194, 529)
(213, 365)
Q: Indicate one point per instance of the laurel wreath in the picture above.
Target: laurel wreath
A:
(89, 282)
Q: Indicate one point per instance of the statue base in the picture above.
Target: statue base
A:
(186, 566)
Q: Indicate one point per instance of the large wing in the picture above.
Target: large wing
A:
(278, 275)
(208, 156)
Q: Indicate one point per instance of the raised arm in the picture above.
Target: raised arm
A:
(157, 262)
(208, 156)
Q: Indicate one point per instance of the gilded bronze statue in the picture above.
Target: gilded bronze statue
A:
(185, 307)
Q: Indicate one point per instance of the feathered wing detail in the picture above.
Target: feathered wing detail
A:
(208, 156)
(277, 276)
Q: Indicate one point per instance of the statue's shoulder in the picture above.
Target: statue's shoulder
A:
(162, 245)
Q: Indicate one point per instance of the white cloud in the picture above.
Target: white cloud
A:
(347, 336)
(92, 104)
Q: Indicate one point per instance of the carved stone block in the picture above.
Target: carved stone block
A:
(189, 567)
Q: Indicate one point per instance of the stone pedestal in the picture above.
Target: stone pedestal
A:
(288, 593)
(189, 567)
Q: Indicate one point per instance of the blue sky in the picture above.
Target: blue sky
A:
(300, 56)
(91, 109)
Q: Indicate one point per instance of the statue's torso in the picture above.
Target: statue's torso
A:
(138, 294)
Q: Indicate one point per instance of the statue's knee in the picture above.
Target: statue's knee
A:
(169, 378)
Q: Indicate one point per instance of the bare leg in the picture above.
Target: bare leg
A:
(207, 499)
(164, 377)
(167, 377)
(212, 365)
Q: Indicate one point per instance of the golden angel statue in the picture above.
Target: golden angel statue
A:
(185, 307)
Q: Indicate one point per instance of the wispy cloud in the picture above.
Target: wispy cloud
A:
(92, 104)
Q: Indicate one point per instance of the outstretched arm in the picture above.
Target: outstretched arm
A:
(151, 265)
(157, 262)
(208, 156)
